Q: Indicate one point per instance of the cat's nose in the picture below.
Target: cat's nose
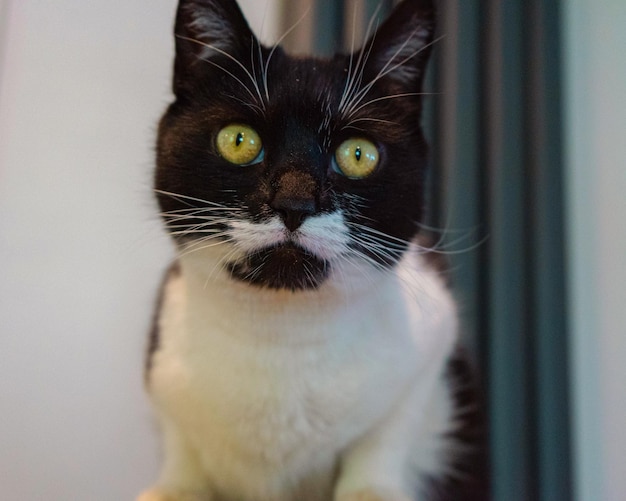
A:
(295, 198)
(293, 211)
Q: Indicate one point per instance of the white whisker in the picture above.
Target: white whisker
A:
(377, 232)
(364, 53)
(386, 69)
(220, 265)
(269, 57)
(203, 244)
(384, 98)
(182, 198)
(237, 62)
(255, 107)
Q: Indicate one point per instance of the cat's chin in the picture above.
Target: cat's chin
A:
(286, 266)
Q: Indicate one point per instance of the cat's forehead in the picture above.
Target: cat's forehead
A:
(308, 80)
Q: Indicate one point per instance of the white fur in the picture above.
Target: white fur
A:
(263, 394)
(325, 236)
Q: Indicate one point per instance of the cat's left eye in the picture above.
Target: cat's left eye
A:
(356, 158)
(240, 144)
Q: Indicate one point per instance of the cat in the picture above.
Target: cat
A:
(305, 346)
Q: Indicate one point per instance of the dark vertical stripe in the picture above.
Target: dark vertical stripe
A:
(459, 168)
(431, 124)
(329, 24)
(509, 288)
(458, 158)
(357, 15)
(297, 26)
(547, 258)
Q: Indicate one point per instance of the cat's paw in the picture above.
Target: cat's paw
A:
(153, 495)
(374, 494)
(160, 495)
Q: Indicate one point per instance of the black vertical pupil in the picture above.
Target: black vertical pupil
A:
(239, 139)
(357, 153)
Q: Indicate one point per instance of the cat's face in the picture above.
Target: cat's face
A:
(293, 168)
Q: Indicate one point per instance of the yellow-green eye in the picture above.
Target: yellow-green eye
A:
(356, 158)
(240, 144)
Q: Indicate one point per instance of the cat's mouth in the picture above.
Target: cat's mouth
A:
(283, 266)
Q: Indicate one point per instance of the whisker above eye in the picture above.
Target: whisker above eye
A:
(386, 69)
(367, 119)
(252, 106)
(276, 45)
(230, 73)
(236, 61)
(383, 98)
(354, 81)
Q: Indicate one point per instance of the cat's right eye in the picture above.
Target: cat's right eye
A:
(240, 144)
(356, 158)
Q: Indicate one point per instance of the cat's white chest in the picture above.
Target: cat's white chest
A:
(277, 387)
(302, 377)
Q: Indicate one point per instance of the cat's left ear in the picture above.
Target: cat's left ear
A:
(400, 48)
(208, 30)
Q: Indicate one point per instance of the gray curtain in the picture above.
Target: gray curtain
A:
(499, 167)
(496, 186)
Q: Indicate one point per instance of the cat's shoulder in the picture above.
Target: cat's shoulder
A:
(432, 256)
(172, 274)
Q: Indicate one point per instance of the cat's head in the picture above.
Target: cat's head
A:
(284, 171)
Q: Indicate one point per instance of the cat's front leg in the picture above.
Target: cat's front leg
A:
(158, 494)
(366, 475)
(374, 494)
(390, 462)
(182, 478)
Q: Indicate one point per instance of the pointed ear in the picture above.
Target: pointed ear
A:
(207, 30)
(400, 48)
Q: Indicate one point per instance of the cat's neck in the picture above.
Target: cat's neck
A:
(242, 309)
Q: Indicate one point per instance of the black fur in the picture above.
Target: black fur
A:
(301, 125)
(471, 465)
(154, 340)
(301, 115)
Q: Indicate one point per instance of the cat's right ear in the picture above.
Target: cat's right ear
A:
(206, 31)
(400, 48)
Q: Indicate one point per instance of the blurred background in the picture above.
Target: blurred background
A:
(527, 123)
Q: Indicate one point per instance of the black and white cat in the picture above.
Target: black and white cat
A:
(305, 344)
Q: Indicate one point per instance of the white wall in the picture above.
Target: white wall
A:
(82, 84)
(595, 72)
(81, 251)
